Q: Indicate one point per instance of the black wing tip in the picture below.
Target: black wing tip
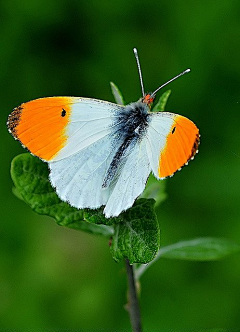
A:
(14, 120)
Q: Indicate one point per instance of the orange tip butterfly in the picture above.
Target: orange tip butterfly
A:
(100, 153)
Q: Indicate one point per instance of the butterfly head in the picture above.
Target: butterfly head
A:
(148, 99)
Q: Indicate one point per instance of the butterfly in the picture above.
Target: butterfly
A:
(101, 153)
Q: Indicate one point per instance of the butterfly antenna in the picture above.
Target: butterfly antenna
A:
(172, 79)
(139, 70)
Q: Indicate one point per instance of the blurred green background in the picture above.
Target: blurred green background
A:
(52, 277)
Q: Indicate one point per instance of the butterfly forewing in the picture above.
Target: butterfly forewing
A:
(172, 140)
(56, 127)
(90, 121)
(40, 125)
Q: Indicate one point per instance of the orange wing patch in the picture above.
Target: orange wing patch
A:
(181, 146)
(40, 125)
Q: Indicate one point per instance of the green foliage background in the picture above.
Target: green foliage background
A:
(52, 277)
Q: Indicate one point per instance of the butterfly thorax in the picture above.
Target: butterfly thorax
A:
(133, 120)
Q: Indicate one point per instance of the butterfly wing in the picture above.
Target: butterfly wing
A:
(130, 180)
(57, 127)
(78, 179)
(172, 140)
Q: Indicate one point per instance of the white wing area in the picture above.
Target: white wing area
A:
(90, 120)
(131, 181)
(78, 179)
(159, 127)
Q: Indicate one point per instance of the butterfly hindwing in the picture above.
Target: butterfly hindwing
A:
(78, 179)
(130, 181)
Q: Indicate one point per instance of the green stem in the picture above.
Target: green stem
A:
(133, 305)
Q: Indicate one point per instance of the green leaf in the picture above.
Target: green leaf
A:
(17, 193)
(137, 237)
(202, 249)
(135, 234)
(30, 177)
(117, 94)
(160, 106)
(155, 189)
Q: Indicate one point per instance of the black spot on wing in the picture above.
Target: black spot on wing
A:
(63, 112)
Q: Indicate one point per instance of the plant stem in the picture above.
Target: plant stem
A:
(133, 305)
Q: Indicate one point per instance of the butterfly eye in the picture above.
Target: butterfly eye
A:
(63, 113)
(173, 131)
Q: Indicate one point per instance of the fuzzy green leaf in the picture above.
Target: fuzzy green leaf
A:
(202, 249)
(117, 94)
(161, 104)
(137, 237)
(30, 177)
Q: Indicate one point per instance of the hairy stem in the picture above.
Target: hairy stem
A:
(133, 305)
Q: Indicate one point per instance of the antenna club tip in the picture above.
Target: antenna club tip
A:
(135, 50)
(187, 70)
